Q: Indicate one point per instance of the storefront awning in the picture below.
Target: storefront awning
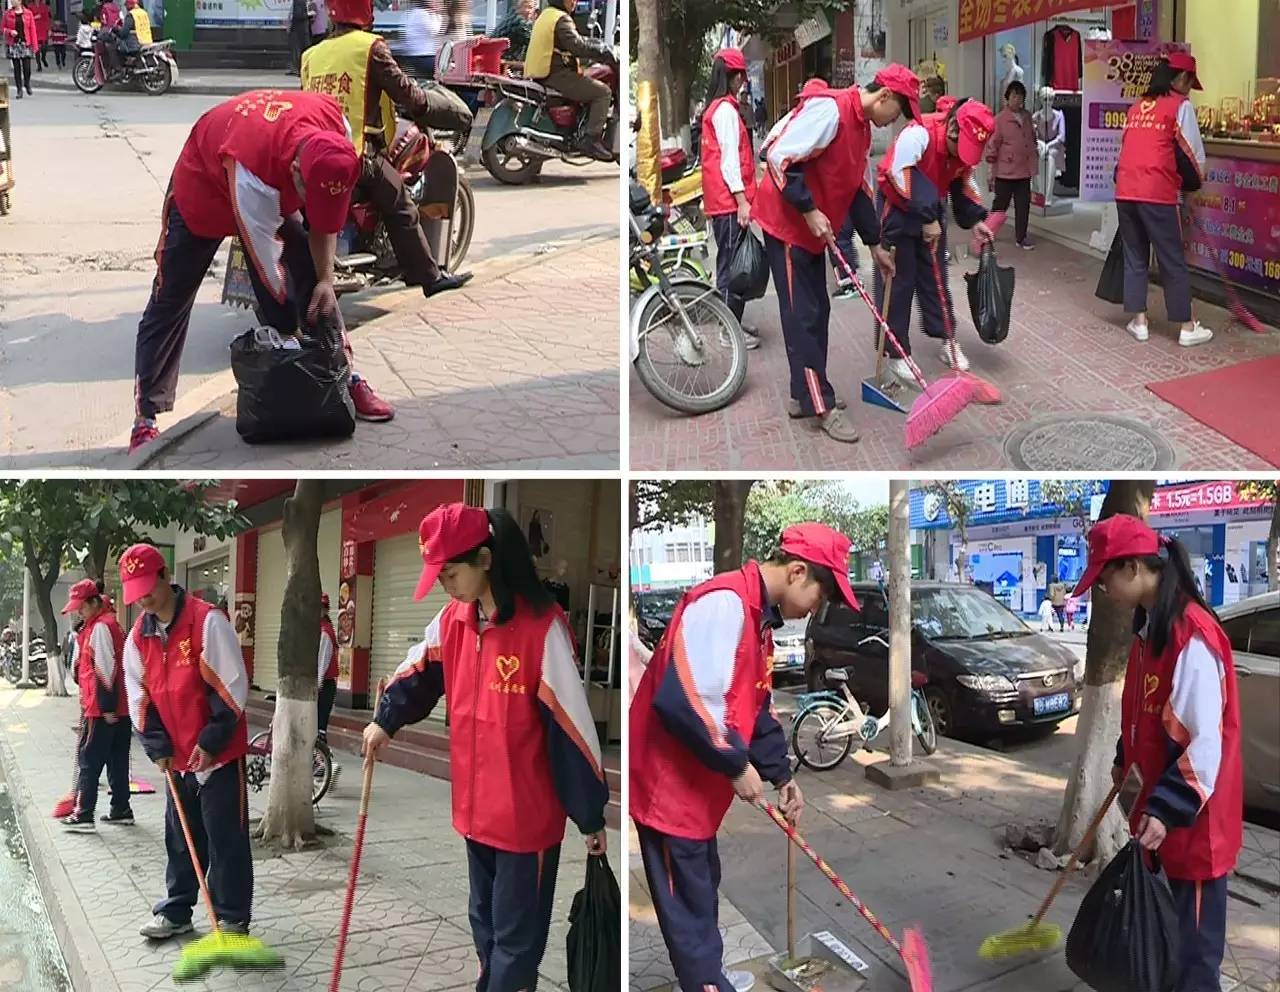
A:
(979, 18)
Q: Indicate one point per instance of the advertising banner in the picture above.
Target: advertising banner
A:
(388, 15)
(983, 17)
(1223, 495)
(1235, 223)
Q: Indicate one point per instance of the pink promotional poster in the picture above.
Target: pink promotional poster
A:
(1235, 222)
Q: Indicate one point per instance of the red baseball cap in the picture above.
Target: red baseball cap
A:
(976, 124)
(81, 593)
(445, 533)
(140, 567)
(901, 80)
(1121, 536)
(733, 59)
(944, 103)
(1184, 62)
(330, 168)
(822, 545)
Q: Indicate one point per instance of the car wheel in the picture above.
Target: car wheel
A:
(940, 710)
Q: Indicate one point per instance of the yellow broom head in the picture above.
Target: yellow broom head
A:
(231, 950)
(1029, 938)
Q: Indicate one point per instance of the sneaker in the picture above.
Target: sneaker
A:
(960, 362)
(751, 337)
(795, 413)
(162, 928)
(79, 823)
(742, 981)
(901, 370)
(144, 432)
(239, 929)
(838, 427)
(123, 819)
(1026, 245)
(1140, 332)
(369, 405)
(445, 282)
(1198, 334)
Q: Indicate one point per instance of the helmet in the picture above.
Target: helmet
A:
(410, 151)
(357, 12)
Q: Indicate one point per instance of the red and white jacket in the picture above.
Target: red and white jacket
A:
(1180, 724)
(1161, 151)
(187, 685)
(727, 164)
(703, 709)
(523, 749)
(918, 175)
(100, 668)
(327, 657)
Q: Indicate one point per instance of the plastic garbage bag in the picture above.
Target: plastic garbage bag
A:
(990, 297)
(1126, 937)
(595, 931)
(749, 267)
(290, 391)
(1111, 279)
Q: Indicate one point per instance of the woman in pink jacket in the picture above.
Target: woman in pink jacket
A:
(1012, 152)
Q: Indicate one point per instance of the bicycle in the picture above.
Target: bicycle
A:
(258, 765)
(836, 720)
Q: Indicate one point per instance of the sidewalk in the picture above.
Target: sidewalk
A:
(208, 82)
(931, 857)
(1067, 366)
(517, 370)
(409, 928)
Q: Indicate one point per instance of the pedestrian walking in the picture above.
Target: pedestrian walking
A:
(1046, 615)
(703, 729)
(1014, 159)
(187, 687)
(326, 670)
(44, 19)
(423, 35)
(1072, 607)
(1058, 597)
(816, 173)
(1180, 725)
(19, 28)
(1161, 156)
(523, 744)
(300, 14)
(929, 164)
(58, 42)
(728, 172)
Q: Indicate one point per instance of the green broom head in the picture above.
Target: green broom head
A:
(1029, 938)
(231, 950)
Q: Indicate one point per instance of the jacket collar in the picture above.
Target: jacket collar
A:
(151, 624)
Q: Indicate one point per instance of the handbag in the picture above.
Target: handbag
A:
(1111, 279)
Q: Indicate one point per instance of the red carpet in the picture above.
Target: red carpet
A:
(1238, 401)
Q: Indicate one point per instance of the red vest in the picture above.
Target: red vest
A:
(173, 684)
(503, 793)
(936, 165)
(87, 673)
(833, 176)
(261, 130)
(326, 631)
(1147, 170)
(716, 198)
(1208, 848)
(671, 790)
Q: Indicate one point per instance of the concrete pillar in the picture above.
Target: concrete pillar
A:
(899, 624)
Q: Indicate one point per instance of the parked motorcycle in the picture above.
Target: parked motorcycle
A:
(38, 667)
(154, 68)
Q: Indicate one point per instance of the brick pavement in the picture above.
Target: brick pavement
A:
(409, 929)
(1066, 352)
(519, 369)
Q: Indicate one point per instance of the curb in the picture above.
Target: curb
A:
(86, 963)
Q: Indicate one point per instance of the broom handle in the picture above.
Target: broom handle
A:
(791, 900)
(942, 301)
(341, 950)
(835, 879)
(884, 326)
(191, 847)
(1076, 854)
(888, 291)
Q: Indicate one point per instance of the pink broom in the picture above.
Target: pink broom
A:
(938, 404)
(67, 804)
(983, 391)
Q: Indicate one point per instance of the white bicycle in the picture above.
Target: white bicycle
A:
(828, 723)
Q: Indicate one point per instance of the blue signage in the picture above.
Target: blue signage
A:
(1003, 501)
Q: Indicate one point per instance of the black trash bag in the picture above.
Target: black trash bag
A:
(595, 931)
(749, 267)
(990, 297)
(1126, 936)
(1111, 279)
(292, 394)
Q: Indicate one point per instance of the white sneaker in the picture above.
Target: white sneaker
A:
(162, 928)
(1140, 332)
(961, 363)
(1197, 335)
(742, 981)
(900, 370)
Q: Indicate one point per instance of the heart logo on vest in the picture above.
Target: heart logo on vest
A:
(184, 646)
(507, 666)
(1147, 107)
(1149, 685)
(271, 113)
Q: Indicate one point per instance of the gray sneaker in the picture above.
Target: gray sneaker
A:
(162, 928)
(838, 427)
(742, 981)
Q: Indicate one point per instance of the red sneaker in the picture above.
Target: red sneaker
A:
(144, 431)
(369, 405)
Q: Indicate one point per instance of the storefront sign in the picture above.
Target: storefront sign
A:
(1223, 495)
(784, 53)
(812, 29)
(1115, 74)
(242, 13)
(1000, 501)
(1235, 223)
(983, 17)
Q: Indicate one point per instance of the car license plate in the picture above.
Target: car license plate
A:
(1056, 703)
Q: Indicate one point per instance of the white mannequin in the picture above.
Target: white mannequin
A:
(1051, 138)
(1012, 70)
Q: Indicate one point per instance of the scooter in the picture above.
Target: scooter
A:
(38, 667)
(154, 68)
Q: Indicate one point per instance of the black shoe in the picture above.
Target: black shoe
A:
(19, 92)
(445, 282)
(598, 150)
(123, 818)
(79, 823)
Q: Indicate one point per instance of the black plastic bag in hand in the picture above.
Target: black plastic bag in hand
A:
(749, 268)
(1111, 280)
(990, 297)
(1126, 937)
(293, 394)
(595, 931)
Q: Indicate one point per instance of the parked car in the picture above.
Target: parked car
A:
(1254, 628)
(789, 650)
(653, 614)
(987, 671)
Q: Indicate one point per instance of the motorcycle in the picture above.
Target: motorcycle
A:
(38, 667)
(154, 68)
(687, 347)
(446, 210)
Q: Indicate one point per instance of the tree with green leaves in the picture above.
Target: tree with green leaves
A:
(1268, 489)
(776, 505)
(673, 502)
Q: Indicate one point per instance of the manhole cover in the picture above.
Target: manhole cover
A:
(1087, 442)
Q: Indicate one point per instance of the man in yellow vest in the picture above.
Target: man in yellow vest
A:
(134, 30)
(552, 60)
(357, 69)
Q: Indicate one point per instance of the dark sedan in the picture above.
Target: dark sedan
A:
(653, 614)
(987, 671)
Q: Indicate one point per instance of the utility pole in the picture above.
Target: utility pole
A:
(26, 630)
(899, 624)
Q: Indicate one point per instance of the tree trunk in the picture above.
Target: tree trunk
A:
(1273, 544)
(729, 500)
(44, 576)
(1106, 655)
(290, 816)
(899, 624)
(681, 79)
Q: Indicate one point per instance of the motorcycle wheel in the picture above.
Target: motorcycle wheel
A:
(723, 350)
(464, 224)
(82, 75)
(510, 170)
(157, 80)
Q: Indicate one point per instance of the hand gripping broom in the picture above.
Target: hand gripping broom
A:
(234, 950)
(912, 949)
(938, 404)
